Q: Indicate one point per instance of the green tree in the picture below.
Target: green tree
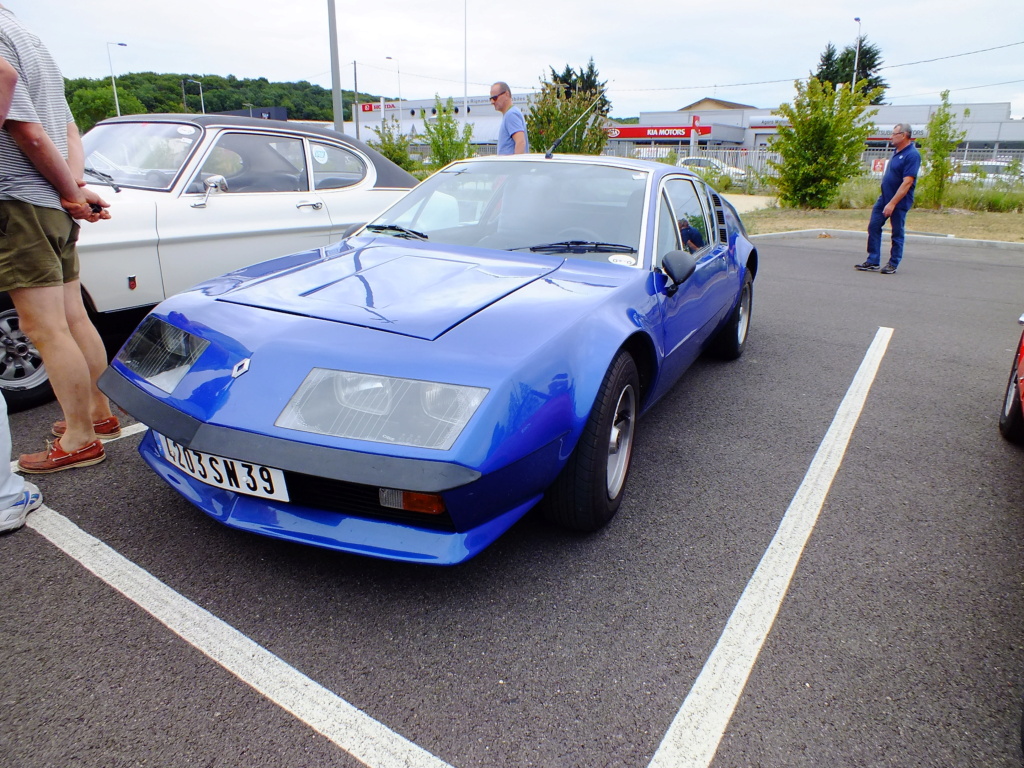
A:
(941, 141)
(555, 110)
(447, 142)
(585, 81)
(836, 68)
(393, 144)
(821, 143)
(90, 105)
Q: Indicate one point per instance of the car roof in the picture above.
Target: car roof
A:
(648, 166)
(388, 173)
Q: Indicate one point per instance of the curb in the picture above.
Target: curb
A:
(925, 236)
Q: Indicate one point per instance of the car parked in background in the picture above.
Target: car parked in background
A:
(194, 196)
(711, 165)
(412, 391)
(989, 173)
(1011, 418)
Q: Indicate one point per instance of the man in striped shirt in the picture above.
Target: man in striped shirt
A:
(41, 193)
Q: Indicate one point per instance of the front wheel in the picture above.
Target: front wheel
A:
(587, 493)
(1011, 419)
(23, 378)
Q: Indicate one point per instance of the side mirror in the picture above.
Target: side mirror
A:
(214, 183)
(678, 265)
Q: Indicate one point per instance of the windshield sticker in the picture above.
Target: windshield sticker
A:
(320, 155)
(186, 130)
(186, 142)
(626, 261)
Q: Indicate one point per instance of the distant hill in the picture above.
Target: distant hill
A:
(92, 100)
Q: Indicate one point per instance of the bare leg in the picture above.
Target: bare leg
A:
(41, 311)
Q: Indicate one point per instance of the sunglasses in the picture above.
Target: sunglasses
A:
(495, 98)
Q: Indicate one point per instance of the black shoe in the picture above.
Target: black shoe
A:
(889, 269)
(867, 266)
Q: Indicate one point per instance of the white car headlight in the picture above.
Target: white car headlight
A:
(381, 409)
(161, 353)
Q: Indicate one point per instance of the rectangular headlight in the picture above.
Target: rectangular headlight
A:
(161, 353)
(381, 409)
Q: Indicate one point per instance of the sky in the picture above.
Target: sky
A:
(657, 55)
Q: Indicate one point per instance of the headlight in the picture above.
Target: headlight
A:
(381, 409)
(161, 353)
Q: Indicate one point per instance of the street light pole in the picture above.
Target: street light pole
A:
(249, 105)
(113, 82)
(856, 57)
(202, 104)
(398, 70)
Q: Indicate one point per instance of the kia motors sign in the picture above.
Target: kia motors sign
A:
(652, 132)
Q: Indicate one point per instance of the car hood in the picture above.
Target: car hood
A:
(410, 290)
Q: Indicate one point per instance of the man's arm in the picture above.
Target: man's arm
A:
(8, 79)
(44, 155)
(519, 138)
(908, 182)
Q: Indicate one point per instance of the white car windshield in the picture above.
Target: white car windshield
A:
(585, 210)
(146, 155)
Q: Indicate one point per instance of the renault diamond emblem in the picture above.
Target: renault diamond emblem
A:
(241, 367)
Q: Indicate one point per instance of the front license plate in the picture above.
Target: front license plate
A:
(229, 474)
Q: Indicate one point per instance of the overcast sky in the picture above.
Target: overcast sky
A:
(656, 55)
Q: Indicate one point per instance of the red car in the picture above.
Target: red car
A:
(1011, 419)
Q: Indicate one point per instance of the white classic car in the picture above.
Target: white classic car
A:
(195, 196)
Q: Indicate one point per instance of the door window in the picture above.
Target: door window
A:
(253, 162)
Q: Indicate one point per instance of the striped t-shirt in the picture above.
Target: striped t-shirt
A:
(38, 98)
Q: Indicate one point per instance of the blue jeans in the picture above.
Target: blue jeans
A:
(897, 220)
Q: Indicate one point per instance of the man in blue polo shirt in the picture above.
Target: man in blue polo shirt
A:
(896, 199)
(512, 138)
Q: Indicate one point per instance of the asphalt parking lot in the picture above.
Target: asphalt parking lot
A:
(899, 639)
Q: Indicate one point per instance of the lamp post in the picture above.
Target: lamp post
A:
(247, 104)
(856, 57)
(202, 104)
(113, 82)
(398, 71)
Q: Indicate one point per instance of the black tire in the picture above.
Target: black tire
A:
(587, 493)
(1011, 420)
(728, 344)
(23, 378)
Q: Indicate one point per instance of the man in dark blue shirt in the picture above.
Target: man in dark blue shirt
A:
(692, 239)
(896, 199)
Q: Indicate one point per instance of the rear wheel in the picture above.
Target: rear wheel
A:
(1011, 420)
(587, 493)
(732, 338)
(23, 377)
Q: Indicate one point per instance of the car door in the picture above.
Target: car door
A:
(344, 180)
(263, 208)
(690, 313)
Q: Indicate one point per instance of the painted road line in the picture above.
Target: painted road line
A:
(697, 730)
(350, 728)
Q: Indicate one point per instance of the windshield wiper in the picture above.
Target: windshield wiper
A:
(397, 230)
(104, 177)
(578, 246)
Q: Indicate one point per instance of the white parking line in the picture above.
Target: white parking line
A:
(350, 728)
(695, 733)
(697, 730)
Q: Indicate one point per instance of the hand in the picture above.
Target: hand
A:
(91, 207)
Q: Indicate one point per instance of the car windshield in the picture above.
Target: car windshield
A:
(146, 155)
(583, 210)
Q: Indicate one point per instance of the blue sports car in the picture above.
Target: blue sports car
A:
(485, 345)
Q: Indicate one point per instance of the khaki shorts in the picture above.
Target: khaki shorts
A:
(37, 246)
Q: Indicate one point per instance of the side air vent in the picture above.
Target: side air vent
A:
(723, 233)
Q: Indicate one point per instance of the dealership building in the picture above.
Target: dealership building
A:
(706, 125)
